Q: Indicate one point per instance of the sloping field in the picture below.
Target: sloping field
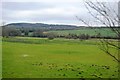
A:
(90, 31)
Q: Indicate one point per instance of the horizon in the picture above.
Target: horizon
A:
(56, 24)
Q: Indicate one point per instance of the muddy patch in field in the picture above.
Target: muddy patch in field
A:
(25, 55)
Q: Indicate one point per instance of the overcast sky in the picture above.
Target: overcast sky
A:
(45, 11)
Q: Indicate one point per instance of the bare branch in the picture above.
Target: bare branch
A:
(109, 21)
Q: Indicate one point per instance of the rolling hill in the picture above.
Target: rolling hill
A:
(42, 26)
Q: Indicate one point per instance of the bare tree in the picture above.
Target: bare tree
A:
(105, 15)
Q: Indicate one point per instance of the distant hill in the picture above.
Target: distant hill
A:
(42, 26)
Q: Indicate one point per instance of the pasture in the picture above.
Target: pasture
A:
(58, 58)
(103, 31)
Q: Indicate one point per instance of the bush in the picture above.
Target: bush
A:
(84, 36)
(50, 37)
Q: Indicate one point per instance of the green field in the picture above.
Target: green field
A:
(58, 58)
(89, 31)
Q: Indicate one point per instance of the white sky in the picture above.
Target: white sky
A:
(46, 11)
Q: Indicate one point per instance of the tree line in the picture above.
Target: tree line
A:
(12, 32)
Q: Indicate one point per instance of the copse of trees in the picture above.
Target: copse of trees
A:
(51, 36)
(75, 36)
(14, 32)
(10, 32)
(71, 36)
(38, 33)
(84, 36)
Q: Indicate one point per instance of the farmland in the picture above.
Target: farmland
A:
(25, 57)
(90, 31)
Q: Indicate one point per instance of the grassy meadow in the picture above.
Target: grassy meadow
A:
(103, 31)
(25, 57)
